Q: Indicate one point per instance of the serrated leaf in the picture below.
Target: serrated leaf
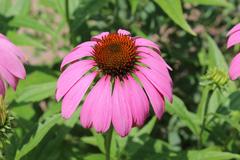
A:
(42, 130)
(173, 9)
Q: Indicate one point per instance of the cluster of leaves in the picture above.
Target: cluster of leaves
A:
(204, 125)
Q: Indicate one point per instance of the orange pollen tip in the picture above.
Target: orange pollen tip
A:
(115, 54)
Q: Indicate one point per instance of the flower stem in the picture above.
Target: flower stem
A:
(67, 11)
(205, 117)
(107, 143)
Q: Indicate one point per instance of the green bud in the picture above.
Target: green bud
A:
(215, 78)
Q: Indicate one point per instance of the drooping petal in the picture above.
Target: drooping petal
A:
(233, 39)
(99, 36)
(140, 42)
(71, 75)
(236, 28)
(72, 99)
(163, 85)
(9, 48)
(123, 32)
(152, 53)
(154, 96)
(156, 65)
(12, 64)
(121, 115)
(137, 100)
(234, 71)
(77, 54)
(6, 75)
(92, 100)
(102, 114)
(2, 88)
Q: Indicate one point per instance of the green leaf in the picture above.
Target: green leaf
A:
(42, 130)
(24, 40)
(134, 4)
(216, 57)
(35, 93)
(188, 118)
(34, 78)
(173, 9)
(94, 157)
(79, 11)
(28, 22)
(90, 140)
(147, 129)
(19, 7)
(222, 3)
(4, 6)
(100, 140)
(211, 155)
(55, 4)
(202, 105)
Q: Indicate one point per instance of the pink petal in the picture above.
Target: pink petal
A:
(142, 42)
(72, 99)
(71, 75)
(233, 39)
(91, 104)
(152, 53)
(12, 80)
(156, 65)
(121, 115)
(86, 44)
(234, 71)
(77, 54)
(10, 48)
(137, 100)
(154, 96)
(2, 88)
(12, 63)
(163, 85)
(99, 36)
(123, 32)
(234, 29)
(103, 106)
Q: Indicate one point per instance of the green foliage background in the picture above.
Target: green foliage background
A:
(203, 123)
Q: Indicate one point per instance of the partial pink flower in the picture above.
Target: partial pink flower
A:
(11, 65)
(233, 39)
(120, 76)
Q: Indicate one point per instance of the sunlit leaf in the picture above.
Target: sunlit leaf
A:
(173, 9)
(41, 131)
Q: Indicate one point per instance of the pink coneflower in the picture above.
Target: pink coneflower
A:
(123, 74)
(11, 65)
(233, 39)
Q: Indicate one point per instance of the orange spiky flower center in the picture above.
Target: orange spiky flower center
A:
(115, 54)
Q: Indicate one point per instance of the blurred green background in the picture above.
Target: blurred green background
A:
(203, 123)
